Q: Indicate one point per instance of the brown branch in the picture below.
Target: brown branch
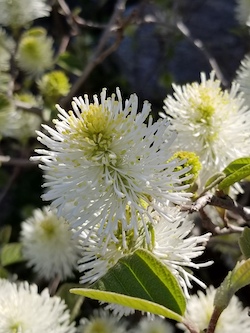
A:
(29, 108)
(224, 201)
(117, 25)
(190, 326)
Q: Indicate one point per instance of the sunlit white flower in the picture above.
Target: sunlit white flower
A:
(211, 122)
(104, 156)
(101, 321)
(157, 325)
(233, 319)
(16, 13)
(243, 78)
(48, 245)
(23, 310)
(171, 241)
(242, 11)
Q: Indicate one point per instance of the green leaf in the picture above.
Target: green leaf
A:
(73, 302)
(235, 177)
(234, 281)
(244, 242)
(11, 254)
(5, 233)
(214, 180)
(240, 276)
(124, 300)
(4, 274)
(236, 165)
(140, 276)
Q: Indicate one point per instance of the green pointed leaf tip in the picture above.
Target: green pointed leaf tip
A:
(223, 293)
(215, 179)
(5, 233)
(236, 165)
(240, 275)
(238, 278)
(128, 301)
(142, 276)
(244, 242)
(11, 253)
(235, 177)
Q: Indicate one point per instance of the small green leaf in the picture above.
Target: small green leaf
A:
(73, 302)
(5, 233)
(132, 302)
(235, 177)
(4, 274)
(236, 165)
(240, 275)
(244, 242)
(214, 180)
(234, 281)
(11, 254)
(142, 276)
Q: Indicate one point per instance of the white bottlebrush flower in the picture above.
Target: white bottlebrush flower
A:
(242, 11)
(211, 122)
(157, 325)
(101, 321)
(16, 13)
(103, 156)
(35, 51)
(243, 78)
(48, 245)
(233, 319)
(171, 242)
(23, 310)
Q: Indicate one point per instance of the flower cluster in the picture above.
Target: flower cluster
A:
(17, 13)
(233, 319)
(206, 118)
(110, 172)
(48, 245)
(103, 157)
(23, 309)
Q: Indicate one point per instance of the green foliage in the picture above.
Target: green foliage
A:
(234, 281)
(244, 242)
(142, 282)
(5, 233)
(214, 180)
(11, 253)
(235, 171)
(73, 302)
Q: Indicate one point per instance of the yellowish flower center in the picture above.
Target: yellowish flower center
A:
(98, 326)
(210, 101)
(96, 130)
(48, 227)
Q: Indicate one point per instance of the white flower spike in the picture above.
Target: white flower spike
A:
(48, 245)
(210, 122)
(22, 309)
(103, 156)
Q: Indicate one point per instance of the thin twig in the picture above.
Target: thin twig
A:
(29, 108)
(101, 53)
(224, 201)
(20, 162)
(198, 43)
